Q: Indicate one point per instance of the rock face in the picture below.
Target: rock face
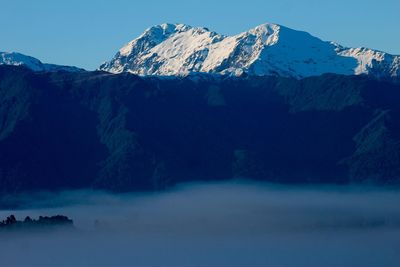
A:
(269, 49)
(124, 132)
(17, 59)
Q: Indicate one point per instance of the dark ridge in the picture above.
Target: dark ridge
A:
(61, 131)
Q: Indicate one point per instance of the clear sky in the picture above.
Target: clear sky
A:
(85, 33)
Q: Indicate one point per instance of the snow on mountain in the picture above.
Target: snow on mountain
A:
(269, 49)
(17, 59)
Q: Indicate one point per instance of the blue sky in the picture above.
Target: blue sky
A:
(86, 33)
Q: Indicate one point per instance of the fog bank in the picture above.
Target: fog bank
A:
(220, 224)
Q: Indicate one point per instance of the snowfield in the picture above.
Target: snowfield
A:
(269, 49)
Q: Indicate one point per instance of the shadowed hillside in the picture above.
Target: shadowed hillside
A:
(122, 132)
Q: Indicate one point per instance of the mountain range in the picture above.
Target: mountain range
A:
(181, 104)
(122, 132)
(269, 49)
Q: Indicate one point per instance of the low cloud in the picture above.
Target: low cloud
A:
(220, 224)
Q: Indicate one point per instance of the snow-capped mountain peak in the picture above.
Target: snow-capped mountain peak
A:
(17, 59)
(152, 37)
(268, 33)
(174, 44)
(268, 49)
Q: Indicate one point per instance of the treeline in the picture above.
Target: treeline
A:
(44, 221)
